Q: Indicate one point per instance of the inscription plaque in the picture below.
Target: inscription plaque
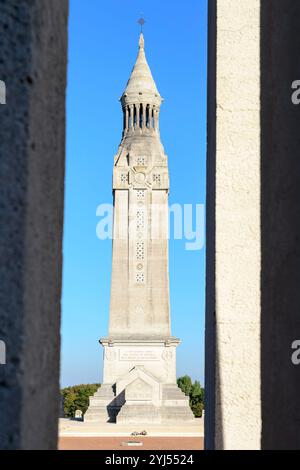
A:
(139, 355)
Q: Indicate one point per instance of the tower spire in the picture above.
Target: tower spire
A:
(141, 41)
(141, 80)
(141, 99)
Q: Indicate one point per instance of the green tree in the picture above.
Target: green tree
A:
(197, 390)
(197, 407)
(69, 403)
(77, 398)
(195, 393)
(197, 399)
(185, 384)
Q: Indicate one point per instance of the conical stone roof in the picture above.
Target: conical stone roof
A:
(141, 80)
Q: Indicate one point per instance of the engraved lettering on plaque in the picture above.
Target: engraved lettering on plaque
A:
(139, 355)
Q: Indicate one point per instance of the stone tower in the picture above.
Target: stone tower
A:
(139, 376)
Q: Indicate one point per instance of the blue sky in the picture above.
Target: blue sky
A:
(103, 42)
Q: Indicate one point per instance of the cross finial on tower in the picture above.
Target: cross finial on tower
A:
(141, 22)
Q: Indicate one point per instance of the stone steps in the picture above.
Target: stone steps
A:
(139, 414)
(101, 414)
(105, 391)
(176, 414)
(101, 407)
(106, 407)
(173, 392)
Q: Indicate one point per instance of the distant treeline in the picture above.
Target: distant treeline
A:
(77, 398)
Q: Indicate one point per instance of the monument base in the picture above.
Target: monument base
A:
(139, 384)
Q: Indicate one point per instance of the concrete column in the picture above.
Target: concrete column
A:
(156, 124)
(280, 224)
(144, 115)
(233, 379)
(126, 118)
(152, 117)
(252, 386)
(33, 48)
(138, 115)
(131, 116)
(149, 115)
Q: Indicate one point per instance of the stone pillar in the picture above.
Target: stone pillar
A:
(138, 115)
(253, 227)
(152, 117)
(33, 48)
(280, 224)
(154, 122)
(144, 115)
(156, 119)
(149, 115)
(232, 386)
(131, 116)
(126, 118)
